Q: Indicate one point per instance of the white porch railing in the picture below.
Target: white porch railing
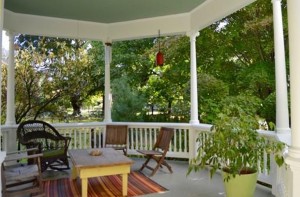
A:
(143, 135)
(140, 136)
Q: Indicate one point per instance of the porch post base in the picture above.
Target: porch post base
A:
(293, 160)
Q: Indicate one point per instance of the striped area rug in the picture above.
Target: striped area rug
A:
(138, 184)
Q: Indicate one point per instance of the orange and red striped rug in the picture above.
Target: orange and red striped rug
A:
(138, 184)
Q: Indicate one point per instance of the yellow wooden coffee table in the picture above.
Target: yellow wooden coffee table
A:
(110, 162)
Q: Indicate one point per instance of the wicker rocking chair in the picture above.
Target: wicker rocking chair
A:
(54, 146)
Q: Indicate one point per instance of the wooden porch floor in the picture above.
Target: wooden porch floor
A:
(195, 185)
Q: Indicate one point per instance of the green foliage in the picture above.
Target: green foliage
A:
(233, 145)
(95, 67)
(127, 102)
(246, 103)
(211, 92)
(4, 93)
(258, 79)
(51, 75)
(235, 56)
(132, 58)
(239, 51)
(34, 90)
(268, 110)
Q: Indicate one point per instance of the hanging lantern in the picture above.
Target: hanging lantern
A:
(159, 55)
(159, 59)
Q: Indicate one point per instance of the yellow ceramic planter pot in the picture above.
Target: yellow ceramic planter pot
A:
(241, 185)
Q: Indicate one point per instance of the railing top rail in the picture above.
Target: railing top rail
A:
(267, 133)
(199, 127)
(137, 124)
(202, 127)
(130, 124)
(79, 124)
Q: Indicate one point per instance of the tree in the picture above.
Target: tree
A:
(235, 57)
(212, 92)
(97, 69)
(128, 103)
(34, 90)
(239, 50)
(53, 75)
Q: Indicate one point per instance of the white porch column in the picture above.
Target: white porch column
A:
(282, 111)
(194, 91)
(107, 94)
(10, 106)
(2, 153)
(293, 159)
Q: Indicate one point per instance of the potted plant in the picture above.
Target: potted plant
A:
(234, 147)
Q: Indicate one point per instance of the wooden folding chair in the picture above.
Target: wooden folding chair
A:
(159, 151)
(116, 137)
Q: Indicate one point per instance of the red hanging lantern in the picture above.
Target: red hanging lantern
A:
(159, 55)
(159, 59)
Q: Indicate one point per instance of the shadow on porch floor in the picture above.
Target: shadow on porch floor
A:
(178, 184)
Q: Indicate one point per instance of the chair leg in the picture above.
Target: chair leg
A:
(145, 163)
(44, 166)
(66, 162)
(41, 193)
(155, 169)
(160, 162)
(168, 166)
(125, 151)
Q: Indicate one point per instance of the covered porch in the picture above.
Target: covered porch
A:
(182, 148)
(178, 184)
(186, 19)
(196, 184)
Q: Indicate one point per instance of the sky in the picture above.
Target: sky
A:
(4, 40)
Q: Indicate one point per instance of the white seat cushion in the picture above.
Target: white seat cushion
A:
(19, 173)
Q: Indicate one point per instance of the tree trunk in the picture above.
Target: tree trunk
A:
(76, 105)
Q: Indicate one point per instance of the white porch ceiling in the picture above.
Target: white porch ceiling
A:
(102, 11)
(110, 20)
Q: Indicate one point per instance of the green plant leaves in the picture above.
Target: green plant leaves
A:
(234, 144)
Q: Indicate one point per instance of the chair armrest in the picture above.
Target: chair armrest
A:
(22, 151)
(67, 141)
(67, 138)
(32, 144)
(16, 157)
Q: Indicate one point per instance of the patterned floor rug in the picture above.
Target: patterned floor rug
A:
(138, 184)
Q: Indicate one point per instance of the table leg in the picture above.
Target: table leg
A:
(73, 173)
(84, 187)
(124, 184)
